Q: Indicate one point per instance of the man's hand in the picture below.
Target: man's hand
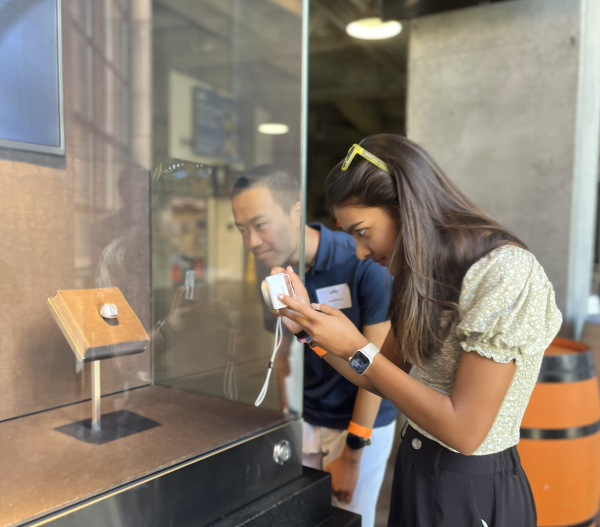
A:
(344, 474)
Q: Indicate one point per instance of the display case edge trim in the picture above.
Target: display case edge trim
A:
(46, 149)
(128, 486)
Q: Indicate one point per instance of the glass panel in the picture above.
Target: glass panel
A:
(209, 113)
(140, 200)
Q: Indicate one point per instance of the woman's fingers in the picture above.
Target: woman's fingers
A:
(296, 317)
(277, 270)
(298, 306)
(291, 325)
(324, 308)
(299, 289)
(288, 322)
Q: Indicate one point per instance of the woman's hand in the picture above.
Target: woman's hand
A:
(300, 293)
(329, 328)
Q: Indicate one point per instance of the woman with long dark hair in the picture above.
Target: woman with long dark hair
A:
(472, 312)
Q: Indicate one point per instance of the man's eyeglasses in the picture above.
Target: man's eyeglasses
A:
(357, 149)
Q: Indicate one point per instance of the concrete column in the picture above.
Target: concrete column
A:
(506, 97)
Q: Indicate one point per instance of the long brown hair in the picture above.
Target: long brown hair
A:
(441, 233)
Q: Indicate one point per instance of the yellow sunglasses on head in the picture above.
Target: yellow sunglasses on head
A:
(357, 149)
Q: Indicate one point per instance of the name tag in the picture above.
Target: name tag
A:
(337, 296)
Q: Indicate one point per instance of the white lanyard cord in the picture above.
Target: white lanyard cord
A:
(278, 339)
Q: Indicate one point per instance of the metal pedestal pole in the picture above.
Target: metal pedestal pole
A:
(96, 416)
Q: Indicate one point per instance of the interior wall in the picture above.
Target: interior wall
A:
(495, 95)
(81, 220)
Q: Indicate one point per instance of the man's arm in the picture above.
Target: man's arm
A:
(345, 469)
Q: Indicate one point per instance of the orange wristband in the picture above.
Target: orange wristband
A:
(319, 351)
(359, 430)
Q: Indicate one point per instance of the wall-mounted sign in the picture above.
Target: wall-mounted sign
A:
(215, 125)
(31, 101)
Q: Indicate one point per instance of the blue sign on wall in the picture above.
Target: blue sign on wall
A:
(31, 114)
(215, 125)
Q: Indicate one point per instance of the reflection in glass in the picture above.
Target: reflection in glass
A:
(211, 97)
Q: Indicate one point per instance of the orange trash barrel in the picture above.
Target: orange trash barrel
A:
(560, 437)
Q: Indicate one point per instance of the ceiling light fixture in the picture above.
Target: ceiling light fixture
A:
(273, 128)
(373, 29)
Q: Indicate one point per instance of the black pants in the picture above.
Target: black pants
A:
(435, 487)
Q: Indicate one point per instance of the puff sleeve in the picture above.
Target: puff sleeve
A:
(507, 307)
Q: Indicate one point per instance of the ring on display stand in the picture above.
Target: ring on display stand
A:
(109, 311)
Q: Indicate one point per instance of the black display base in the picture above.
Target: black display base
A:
(195, 493)
(342, 518)
(114, 425)
(303, 502)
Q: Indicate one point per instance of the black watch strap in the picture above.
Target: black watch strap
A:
(301, 334)
(356, 442)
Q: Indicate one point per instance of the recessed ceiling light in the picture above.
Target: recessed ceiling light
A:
(373, 29)
(273, 128)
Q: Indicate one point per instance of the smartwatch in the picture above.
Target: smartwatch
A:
(363, 358)
(304, 338)
(357, 442)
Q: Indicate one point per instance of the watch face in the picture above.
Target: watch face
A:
(359, 362)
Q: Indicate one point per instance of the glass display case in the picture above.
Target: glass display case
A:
(157, 109)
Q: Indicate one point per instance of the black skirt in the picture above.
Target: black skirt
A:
(435, 487)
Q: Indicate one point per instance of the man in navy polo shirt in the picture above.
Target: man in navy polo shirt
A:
(338, 417)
